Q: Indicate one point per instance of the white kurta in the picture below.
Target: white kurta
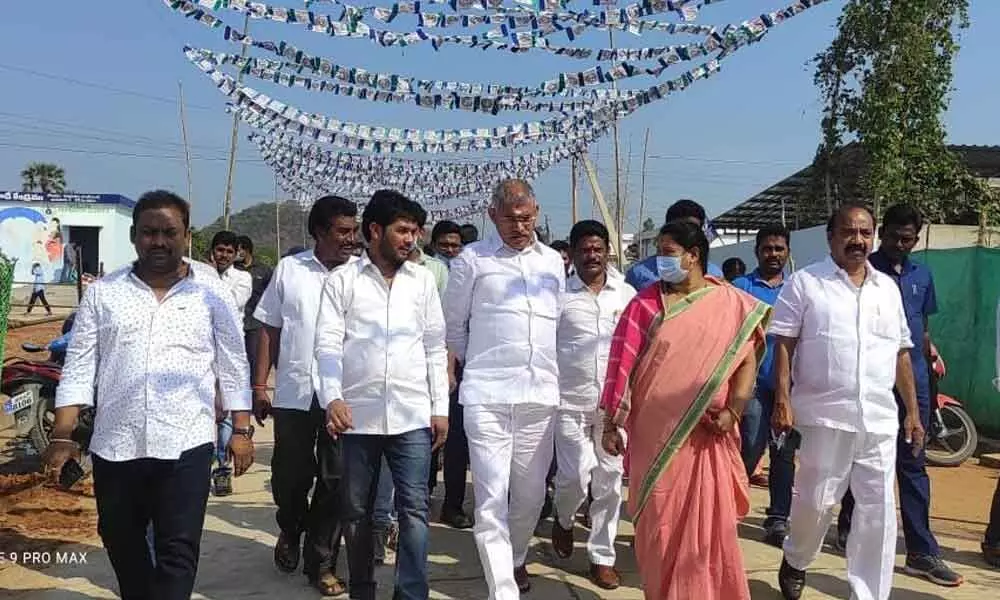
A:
(844, 371)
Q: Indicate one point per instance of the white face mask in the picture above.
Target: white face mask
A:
(669, 269)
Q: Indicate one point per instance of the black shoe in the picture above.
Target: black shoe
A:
(991, 554)
(287, 552)
(932, 569)
(775, 532)
(456, 519)
(547, 507)
(792, 581)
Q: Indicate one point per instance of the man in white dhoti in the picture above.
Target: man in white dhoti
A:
(501, 310)
(842, 338)
(595, 297)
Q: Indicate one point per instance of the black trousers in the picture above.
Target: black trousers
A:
(305, 455)
(456, 457)
(36, 296)
(993, 530)
(170, 493)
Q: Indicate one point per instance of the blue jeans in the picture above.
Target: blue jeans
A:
(225, 433)
(408, 457)
(385, 509)
(755, 431)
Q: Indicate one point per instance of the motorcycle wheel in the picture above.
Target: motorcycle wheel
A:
(44, 419)
(957, 443)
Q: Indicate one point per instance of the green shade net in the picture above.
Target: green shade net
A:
(6, 284)
(967, 281)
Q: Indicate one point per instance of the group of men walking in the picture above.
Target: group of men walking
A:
(493, 352)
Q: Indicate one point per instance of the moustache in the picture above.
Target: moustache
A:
(855, 248)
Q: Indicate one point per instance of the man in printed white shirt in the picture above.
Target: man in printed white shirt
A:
(304, 453)
(596, 294)
(502, 310)
(150, 341)
(383, 376)
(842, 337)
(223, 255)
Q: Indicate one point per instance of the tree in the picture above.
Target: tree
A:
(885, 81)
(648, 224)
(43, 177)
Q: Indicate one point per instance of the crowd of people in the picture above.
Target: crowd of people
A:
(525, 364)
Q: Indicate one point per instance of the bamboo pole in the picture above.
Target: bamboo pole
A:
(187, 155)
(618, 184)
(573, 188)
(277, 219)
(228, 203)
(642, 191)
(595, 188)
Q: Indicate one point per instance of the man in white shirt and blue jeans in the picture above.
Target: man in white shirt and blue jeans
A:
(596, 294)
(150, 342)
(383, 381)
(842, 337)
(502, 310)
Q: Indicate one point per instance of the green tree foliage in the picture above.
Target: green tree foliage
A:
(43, 177)
(885, 81)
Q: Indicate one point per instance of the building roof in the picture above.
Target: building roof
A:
(787, 201)
(67, 198)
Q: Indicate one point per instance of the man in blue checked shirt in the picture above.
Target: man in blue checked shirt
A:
(643, 273)
(764, 283)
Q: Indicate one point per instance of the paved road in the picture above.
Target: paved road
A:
(240, 533)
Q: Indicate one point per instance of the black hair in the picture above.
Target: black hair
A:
(157, 199)
(388, 206)
(224, 238)
(902, 215)
(689, 236)
(772, 231)
(843, 210)
(734, 262)
(686, 209)
(469, 233)
(560, 246)
(445, 228)
(588, 228)
(325, 210)
(244, 241)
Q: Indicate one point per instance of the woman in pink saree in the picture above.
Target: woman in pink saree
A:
(683, 362)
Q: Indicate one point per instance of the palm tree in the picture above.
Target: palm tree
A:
(43, 177)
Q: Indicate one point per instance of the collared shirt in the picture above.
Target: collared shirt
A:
(643, 273)
(260, 275)
(381, 348)
(849, 337)
(291, 304)
(153, 364)
(760, 289)
(241, 285)
(586, 324)
(39, 276)
(502, 311)
(916, 287)
(437, 268)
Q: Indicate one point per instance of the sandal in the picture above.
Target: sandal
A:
(328, 584)
(286, 553)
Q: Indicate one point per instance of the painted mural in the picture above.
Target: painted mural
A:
(29, 237)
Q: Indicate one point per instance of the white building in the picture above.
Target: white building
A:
(35, 228)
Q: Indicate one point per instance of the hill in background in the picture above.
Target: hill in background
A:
(258, 222)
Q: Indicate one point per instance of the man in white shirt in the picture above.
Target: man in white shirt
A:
(842, 337)
(223, 254)
(596, 294)
(502, 310)
(383, 376)
(304, 453)
(152, 342)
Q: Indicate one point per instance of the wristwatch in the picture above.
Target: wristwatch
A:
(247, 432)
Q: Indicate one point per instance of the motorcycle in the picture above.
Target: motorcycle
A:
(952, 438)
(31, 389)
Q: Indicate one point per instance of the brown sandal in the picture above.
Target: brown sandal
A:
(329, 585)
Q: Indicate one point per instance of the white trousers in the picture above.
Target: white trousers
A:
(829, 461)
(582, 462)
(510, 451)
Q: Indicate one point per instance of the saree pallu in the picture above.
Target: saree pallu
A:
(688, 485)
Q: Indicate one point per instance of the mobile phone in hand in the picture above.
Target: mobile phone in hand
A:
(71, 473)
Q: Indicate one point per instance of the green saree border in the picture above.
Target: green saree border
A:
(701, 403)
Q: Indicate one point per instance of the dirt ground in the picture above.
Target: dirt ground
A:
(40, 334)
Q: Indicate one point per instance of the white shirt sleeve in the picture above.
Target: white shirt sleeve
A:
(330, 331)
(79, 373)
(242, 288)
(231, 367)
(788, 309)
(458, 302)
(435, 349)
(905, 339)
(268, 309)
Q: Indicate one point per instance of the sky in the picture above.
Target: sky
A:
(94, 88)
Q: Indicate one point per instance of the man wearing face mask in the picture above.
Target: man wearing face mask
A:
(842, 337)
(502, 310)
(643, 273)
